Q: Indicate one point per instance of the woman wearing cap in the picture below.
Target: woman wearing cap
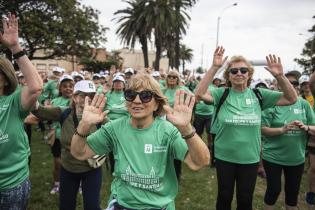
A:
(74, 171)
(172, 85)
(15, 105)
(285, 138)
(66, 84)
(237, 124)
(144, 145)
(116, 105)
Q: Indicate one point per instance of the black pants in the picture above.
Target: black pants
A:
(292, 181)
(244, 175)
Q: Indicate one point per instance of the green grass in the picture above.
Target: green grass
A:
(197, 189)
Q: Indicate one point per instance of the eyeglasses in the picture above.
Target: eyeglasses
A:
(145, 95)
(243, 70)
(172, 77)
(90, 95)
(294, 83)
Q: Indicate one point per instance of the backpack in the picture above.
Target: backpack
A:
(226, 93)
(95, 161)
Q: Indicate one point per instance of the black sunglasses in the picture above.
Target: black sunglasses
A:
(172, 77)
(294, 83)
(243, 70)
(145, 95)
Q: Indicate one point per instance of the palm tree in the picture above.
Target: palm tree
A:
(132, 26)
(185, 55)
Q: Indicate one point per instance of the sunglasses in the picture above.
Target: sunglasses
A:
(294, 83)
(243, 70)
(145, 95)
(172, 77)
(90, 95)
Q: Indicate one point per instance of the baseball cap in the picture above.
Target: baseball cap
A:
(76, 74)
(58, 69)
(20, 74)
(304, 78)
(259, 82)
(119, 78)
(294, 73)
(155, 74)
(129, 70)
(96, 75)
(65, 77)
(85, 86)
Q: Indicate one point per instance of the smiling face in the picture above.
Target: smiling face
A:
(141, 111)
(66, 88)
(240, 78)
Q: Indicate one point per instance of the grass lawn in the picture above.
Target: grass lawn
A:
(197, 189)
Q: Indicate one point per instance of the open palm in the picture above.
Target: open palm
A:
(274, 65)
(10, 36)
(218, 60)
(180, 115)
(93, 113)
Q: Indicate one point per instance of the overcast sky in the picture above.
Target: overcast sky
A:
(252, 28)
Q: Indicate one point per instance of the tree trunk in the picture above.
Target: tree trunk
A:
(144, 47)
(158, 46)
(177, 36)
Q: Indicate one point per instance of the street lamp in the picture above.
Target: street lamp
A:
(218, 21)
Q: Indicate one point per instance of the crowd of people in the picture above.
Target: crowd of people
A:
(147, 123)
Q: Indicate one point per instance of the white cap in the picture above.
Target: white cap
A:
(20, 74)
(58, 69)
(119, 78)
(76, 74)
(129, 70)
(155, 74)
(259, 81)
(119, 74)
(96, 75)
(85, 86)
(304, 78)
(65, 77)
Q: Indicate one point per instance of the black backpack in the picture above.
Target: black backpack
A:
(226, 93)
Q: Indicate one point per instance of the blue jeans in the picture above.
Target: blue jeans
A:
(91, 187)
(17, 197)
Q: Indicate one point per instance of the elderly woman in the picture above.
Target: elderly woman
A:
(144, 145)
(15, 105)
(237, 124)
(284, 149)
(74, 171)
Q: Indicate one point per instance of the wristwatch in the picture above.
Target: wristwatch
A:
(19, 54)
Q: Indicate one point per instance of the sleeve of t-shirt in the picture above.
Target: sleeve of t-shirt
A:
(101, 141)
(309, 113)
(178, 145)
(269, 97)
(266, 117)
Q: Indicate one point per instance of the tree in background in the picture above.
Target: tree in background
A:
(308, 53)
(185, 55)
(62, 29)
(131, 28)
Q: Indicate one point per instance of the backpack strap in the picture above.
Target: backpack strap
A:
(64, 115)
(221, 101)
(259, 97)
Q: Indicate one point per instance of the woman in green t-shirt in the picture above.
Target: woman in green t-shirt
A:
(144, 145)
(237, 124)
(15, 104)
(284, 148)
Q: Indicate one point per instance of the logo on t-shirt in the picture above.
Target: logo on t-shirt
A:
(148, 148)
(4, 107)
(3, 137)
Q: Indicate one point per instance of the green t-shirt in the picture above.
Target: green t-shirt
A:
(99, 89)
(205, 109)
(238, 124)
(116, 104)
(144, 161)
(14, 147)
(170, 93)
(62, 103)
(50, 91)
(287, 149)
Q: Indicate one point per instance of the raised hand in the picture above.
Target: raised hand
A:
(10, 35)
(93, 113)
(274, 65)
(218, 60)
(180, 115)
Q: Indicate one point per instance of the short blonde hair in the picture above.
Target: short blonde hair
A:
(236, 59)
(147, 82)
(8, 70)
